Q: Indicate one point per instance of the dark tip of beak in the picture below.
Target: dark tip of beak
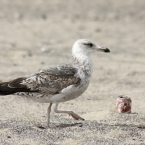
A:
(107, 50)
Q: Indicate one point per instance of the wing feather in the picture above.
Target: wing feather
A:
(52, 80)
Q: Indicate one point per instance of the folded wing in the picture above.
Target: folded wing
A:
(47, 81)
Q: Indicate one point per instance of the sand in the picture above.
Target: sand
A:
(37, 34)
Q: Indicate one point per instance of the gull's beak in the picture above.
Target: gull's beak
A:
(103, 49)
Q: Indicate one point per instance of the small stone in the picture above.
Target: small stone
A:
(43, 49)
(80, 125)
(8, 136)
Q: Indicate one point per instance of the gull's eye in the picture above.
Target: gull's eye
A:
(88, 44)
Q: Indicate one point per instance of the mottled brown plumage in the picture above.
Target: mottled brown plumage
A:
(53, 80)
(48, 81)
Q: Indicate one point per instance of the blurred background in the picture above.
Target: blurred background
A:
(35, 34)
(40, 33)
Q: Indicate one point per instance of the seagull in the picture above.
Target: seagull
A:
(58, 83)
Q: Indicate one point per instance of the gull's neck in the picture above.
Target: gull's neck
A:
(83, 62)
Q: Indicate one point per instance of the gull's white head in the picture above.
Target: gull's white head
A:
(86, 47)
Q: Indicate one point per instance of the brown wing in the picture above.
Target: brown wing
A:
(52, 80)
(14, 86)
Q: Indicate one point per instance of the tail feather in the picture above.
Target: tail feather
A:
(14, 86)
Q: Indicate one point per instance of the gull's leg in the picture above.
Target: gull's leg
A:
(48, 115)
(74, 115)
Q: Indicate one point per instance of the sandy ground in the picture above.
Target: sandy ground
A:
(27, 27)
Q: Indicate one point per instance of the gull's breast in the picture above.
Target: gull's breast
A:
(71, 92)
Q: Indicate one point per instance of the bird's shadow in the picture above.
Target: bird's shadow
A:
(62, 125)
(54, 126)
(70, 125)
